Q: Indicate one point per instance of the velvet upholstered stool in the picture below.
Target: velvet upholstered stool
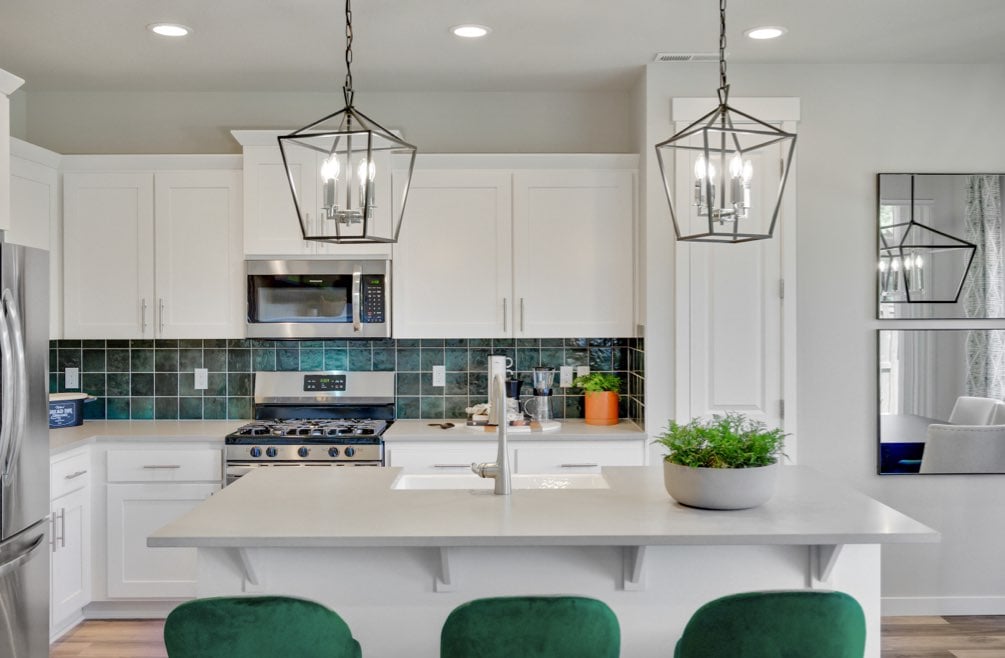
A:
(257, 627)
(531, 627)
(780, 624)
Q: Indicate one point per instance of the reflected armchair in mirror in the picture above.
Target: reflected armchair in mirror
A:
(941, 401)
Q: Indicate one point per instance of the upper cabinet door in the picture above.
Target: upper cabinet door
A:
(452, 267)
(200, 263)
(108, 255)
(573, 253)
(270, 218)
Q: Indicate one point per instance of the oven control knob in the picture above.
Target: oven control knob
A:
(333, 452)
(304, 451)
(350, 451)
(271, 452)
(256, 452)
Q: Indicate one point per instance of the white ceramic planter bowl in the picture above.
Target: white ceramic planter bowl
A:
(720, 488)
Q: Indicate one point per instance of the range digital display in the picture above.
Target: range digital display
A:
(314, 383)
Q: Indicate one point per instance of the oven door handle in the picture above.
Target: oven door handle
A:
(357, 283)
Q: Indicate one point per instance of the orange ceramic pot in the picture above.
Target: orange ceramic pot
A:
(601, 408)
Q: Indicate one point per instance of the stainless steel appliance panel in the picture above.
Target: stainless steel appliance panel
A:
(24, 382)
(24, 594)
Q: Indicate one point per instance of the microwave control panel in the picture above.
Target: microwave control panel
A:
(374, 299)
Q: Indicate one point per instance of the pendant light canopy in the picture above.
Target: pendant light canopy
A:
(722, 148)
(339, 170)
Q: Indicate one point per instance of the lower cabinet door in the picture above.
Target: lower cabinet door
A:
(71, 555)
(135, 511)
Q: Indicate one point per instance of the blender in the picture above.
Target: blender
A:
(539, 406)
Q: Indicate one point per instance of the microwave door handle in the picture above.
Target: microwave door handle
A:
(21, 384)
(357, 275)
(7, 379)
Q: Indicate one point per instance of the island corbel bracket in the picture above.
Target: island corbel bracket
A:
(249, 570)
(444, 580)
(633, 561)
(823, 557)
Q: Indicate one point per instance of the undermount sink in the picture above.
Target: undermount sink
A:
(420, 481)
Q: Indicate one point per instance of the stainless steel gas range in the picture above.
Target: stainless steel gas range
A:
(329, 418)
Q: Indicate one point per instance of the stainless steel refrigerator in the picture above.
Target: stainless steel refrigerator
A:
(24, 452)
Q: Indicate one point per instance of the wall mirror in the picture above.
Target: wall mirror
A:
(942, 401)
(940, 246)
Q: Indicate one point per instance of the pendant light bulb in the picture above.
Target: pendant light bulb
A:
(883, 265)
(699, 168)
(919, 262)
(748, 172)
(735, 166)
(330, 168)
(895, 264)
(366, 170)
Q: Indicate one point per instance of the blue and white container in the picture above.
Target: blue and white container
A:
(67, 409)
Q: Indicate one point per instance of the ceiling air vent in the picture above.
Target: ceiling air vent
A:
(686, 57)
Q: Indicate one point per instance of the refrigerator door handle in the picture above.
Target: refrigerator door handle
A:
(7, 379)
(12, 564)
(20, 385)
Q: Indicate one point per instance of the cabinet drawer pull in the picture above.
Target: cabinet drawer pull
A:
(584, 465)
(62, 527)
(162, 466)
(451, 465)
(73, 476)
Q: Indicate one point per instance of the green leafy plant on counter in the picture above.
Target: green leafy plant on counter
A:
(595, 382)
(729, 441)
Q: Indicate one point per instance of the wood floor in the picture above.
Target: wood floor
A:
(903, 637)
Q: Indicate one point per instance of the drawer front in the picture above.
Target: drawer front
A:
(575, 457)
(196, 465)
(69, 474)
(454, 459)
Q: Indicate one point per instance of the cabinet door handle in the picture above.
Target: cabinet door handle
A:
(143, 316)
(451, 465)
(62, 527)
(73, 476)
(160, 314)
(161, 466)
(584, 465)
(52, 531)
(504, 314)
(521, 315)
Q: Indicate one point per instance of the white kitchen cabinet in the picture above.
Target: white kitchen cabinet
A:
(36, 220)
(70, 566)
(152, 254)
(445, 457)
(522, 246)
(147, 489)
(270, 217)
(9, 83)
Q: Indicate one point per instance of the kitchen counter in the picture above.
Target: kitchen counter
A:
(345, 538)
(574, 429)
(67, 438)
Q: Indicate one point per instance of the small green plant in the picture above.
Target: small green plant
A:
(596, 382)
(729, 441)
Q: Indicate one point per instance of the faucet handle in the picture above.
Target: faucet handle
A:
(485, 469)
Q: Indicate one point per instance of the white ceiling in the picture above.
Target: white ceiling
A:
(536, 45)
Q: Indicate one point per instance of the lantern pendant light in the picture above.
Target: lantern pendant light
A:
(723, 146)
(339, 170)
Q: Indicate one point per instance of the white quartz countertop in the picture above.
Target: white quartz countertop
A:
(67, 438)
(571, 430)
(329, 507)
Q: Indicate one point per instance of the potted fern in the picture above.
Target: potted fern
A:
(725, 462)
(600, 402)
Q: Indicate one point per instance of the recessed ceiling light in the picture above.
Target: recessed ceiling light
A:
(766, 32)
(470, 31)
(169, 29)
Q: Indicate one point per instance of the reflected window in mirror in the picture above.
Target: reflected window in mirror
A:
(941, 401)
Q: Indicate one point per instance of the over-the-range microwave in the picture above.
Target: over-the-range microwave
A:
(319, 297)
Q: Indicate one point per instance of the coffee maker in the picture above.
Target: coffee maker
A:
(539, 406)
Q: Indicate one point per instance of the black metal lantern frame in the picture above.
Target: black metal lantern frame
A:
(721, 190)
(344, 152)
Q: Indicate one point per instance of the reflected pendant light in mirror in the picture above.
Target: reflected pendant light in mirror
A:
(339, 170)
(720, 149)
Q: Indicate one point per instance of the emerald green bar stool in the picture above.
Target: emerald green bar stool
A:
(257, 627)
(776, 624)
(531, 627)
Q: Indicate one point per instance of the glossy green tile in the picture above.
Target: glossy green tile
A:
(66, 343)
(527, 358)
(501, 344)
(189, 359)
(552, 342)
(360, 360)
(479, 342)
(311, 344)
(166, 383)
(406, 342)
(214, 343)
(69, 358)
(261, 343)
(312, 359)
(141, 360)
(239, 408)
(453, 406)
(95, 409)
(141, 408)
(456, 359)
(431, 342)
(238, 360)
(478, 387)
(214, 360)
(287, 358)
(359, 344)
(117, 409)
(383, 359)
(216, 384)
(166, 360)
(577, 357)
(190, 344)
(336, 359)
(93, 361)
(552, 357)
(238, 343)
(456, 342)
(409, 359)
(573, 406)
(92, 344)
(331, 343)
(431, 356)
(263, 359)
(431, 407)
(238, 384)
(118, 344)
(93, 383)
(142, 384)
(214, 408)
(186, 385)
(478, 359)
(166, 343)
(190, 408)
(600, 358)
(166, 408)
(457, 383)
(53, 383)
(407, 383)
(407, 407)
(117, 360)
(426, 385)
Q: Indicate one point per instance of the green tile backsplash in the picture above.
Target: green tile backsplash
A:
(147, 379)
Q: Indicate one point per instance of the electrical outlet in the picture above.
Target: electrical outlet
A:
(565, 376)
(439, 375)
(201, 379)
(72, 377)
(582, 371)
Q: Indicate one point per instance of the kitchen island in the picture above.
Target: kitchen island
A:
(394, 562)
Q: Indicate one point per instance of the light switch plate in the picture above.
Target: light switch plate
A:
(439, 375)
(201, 379)
(582, 371)
(565, 376)
(72, 376)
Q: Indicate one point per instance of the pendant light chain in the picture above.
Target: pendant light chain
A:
(723, 85)
(347, 87)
